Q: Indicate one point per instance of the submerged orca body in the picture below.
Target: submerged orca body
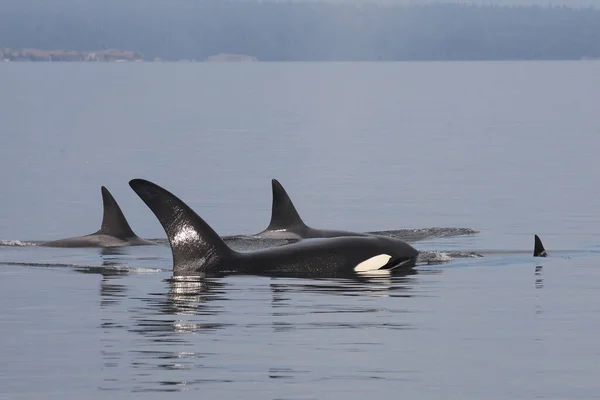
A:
(198, 249)
(538, 248)
(287, 224)
(114, 232)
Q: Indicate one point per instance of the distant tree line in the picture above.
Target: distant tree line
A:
(68, 55)
(302, 31)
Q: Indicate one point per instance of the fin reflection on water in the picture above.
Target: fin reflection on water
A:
(539, 281)
(113, 356)
(168, 325)
(180, 334)
(160, 328)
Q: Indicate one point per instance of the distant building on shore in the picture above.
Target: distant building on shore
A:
(224, 57)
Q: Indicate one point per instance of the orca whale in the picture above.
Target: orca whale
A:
(197, 249)
(538, 248)
(287, 224)
(114, 231)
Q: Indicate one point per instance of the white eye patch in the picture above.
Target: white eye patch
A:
(373, 263)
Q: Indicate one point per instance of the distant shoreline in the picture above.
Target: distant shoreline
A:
(109, 55)
(114, 55)
(304, 31)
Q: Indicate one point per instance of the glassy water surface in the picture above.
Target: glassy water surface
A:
(508, 149)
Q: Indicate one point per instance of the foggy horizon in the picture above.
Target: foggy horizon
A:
(307, 30)
(571, 3)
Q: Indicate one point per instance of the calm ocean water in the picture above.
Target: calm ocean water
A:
(507, 148)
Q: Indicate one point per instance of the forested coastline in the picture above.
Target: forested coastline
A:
(301, 31)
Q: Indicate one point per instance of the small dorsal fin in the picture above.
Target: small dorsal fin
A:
(283, 212)
(538, 248)
(196, 247)
(113, 220)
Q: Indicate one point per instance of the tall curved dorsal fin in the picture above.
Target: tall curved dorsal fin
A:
(113, 220)
(283, 212)
(196, 247)
(538, 248)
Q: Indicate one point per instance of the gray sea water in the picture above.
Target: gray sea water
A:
(508, 149)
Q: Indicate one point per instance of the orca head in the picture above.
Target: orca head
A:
(395, 253)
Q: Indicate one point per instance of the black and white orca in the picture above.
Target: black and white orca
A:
(538, 248)
(114, 231)
(287, 224)
(198, 249)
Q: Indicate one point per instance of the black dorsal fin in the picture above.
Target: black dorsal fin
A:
(113, 220)
(195, 245)
(538, 248)
(283, 212)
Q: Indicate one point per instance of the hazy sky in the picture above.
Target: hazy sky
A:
(572, 3)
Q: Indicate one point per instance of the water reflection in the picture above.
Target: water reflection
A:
(166, 325)
(144, 336)
(112, 323)
(289, 314)
(539, 281)
(539, 284)
(145, 347)
(114, 295)
(191, 295)
(188, 298)
(112, 251)
(384, 285)
(340, 320)
(185, 332)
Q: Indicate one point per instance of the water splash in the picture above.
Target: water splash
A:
(16, 243)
